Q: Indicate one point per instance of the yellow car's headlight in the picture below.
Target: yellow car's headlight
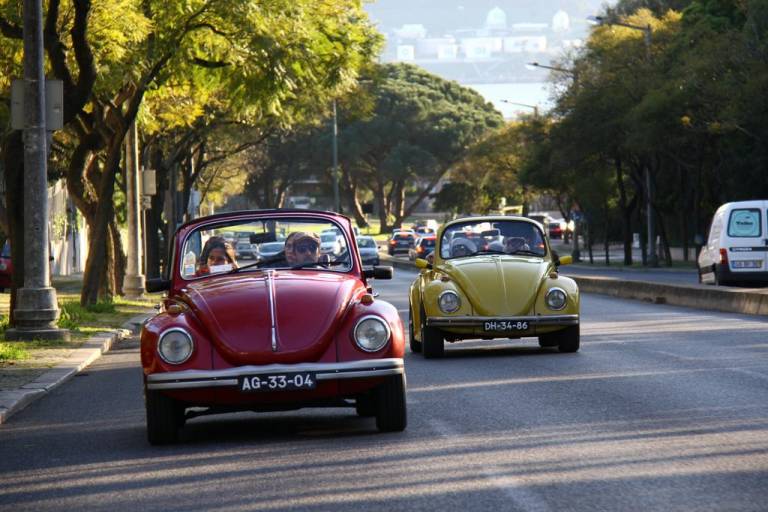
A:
(556, 299)
(449, 301)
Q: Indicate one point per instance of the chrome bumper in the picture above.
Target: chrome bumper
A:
(195, 379)
(479, 321)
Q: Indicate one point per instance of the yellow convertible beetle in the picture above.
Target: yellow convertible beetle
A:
(492, 277)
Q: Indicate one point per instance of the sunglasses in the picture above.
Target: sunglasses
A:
(305, 247)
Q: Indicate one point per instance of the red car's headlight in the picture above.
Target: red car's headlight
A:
(371, 333)
(175, 346)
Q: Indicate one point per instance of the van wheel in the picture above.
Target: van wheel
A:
(415, 344)
(719, 277)
(165, 416)
(391, 414)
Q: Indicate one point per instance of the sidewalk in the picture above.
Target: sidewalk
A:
(29, 369)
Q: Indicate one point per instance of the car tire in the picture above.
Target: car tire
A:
(165, 416)
(391, 414)
(569, 339)
(433, 345)
(415, 344)
(365, 405)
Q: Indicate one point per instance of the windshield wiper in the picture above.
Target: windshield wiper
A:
(490, 251)
(250, 265)
(527, 252)
(318, 263)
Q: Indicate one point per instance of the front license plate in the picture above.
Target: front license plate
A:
(747, 264)
(277, 382)
(505, 325)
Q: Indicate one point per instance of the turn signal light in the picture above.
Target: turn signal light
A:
(366, 299)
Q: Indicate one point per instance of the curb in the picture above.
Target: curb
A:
(14, 401)
(726, 299)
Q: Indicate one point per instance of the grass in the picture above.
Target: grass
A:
(82, 322)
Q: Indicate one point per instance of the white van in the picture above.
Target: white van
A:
(737, 247)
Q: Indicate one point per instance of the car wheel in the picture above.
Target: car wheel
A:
(568, 339)
(365, 405)
(391, 415)
(414, 343)
(165, 416)
(433, 345)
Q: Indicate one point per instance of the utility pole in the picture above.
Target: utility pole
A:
(37, 309)
(133, 283)
(335, 171)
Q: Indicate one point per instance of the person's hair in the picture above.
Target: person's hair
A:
(217, 242)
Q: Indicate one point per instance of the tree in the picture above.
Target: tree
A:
(257, 57)
(419, 127)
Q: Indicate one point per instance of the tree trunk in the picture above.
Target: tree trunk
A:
(350, 190)
(97, 283)
(13, 156)
(626, 212)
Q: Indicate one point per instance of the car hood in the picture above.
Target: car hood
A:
(498, 285)
(236, 310)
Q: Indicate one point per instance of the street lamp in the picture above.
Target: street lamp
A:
(534, 107)
(653, 259)
(335, 171)
(535, 65)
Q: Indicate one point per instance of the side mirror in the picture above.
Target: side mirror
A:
(565, 260)
(423, 264)
(158, 284)
(379, 273)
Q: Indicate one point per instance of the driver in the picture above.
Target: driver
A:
(462, 247)
(302, 247)
(516, 243)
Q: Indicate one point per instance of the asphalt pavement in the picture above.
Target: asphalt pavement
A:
(664, 408)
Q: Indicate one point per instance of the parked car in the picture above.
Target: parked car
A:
(6, 267)
(511, 291)
(422, 247)
(301, 202)
(369, 251)
(269, 336)
(737, 246)
(270, 249)
(556, 229)
(245, 250)
(330, 243)
(400, 241)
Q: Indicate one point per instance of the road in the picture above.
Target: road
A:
(663, 409)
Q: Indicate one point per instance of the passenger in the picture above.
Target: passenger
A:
(216, 252)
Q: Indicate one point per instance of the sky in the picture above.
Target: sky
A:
(485, 44)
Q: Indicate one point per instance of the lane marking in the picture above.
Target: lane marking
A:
(517, 491)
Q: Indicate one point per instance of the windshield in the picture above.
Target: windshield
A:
(328, 237)
(284, 241)
(483, 237)
(367, 243)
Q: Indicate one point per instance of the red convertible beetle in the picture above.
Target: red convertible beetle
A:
(295, 329)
